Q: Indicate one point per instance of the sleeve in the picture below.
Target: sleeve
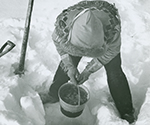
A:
(57, 41)
(112, 51)
(66, 59)
(93, 66)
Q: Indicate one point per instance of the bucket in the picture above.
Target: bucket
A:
(73, 99)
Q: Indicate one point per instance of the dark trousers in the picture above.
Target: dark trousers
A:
(117, 83)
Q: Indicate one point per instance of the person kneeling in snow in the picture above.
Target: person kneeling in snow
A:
(91, 29)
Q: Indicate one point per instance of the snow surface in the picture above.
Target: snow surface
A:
(20, 103)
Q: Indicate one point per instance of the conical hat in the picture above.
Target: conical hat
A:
(87, 30)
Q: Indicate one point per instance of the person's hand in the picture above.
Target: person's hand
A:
(84, 76)
(73, 74)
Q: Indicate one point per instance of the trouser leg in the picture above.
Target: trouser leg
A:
(118, 86)
(61, 77)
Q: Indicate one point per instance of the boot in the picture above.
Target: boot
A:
(129, 117)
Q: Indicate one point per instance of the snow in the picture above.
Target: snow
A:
(20, 103)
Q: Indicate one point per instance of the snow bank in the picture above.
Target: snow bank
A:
(144, 115)
(19, 100)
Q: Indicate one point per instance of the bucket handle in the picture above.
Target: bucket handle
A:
(78, 95)
(78, 92)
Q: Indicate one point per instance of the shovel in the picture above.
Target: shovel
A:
(6, 48)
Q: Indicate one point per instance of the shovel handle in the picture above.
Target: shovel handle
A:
(8, 43)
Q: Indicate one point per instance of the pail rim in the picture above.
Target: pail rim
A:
(82, 86)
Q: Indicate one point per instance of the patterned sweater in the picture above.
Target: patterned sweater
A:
(109, 17)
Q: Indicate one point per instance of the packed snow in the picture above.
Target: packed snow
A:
(20, 103)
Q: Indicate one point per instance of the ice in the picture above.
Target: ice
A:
(20, 103)
(107, 116)
(144, 116)
(13, 118)
(30, 107)
(55, 117)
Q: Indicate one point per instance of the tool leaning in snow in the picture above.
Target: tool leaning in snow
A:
(8, 46)
(20, 69)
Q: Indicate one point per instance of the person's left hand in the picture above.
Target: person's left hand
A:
(84, 76)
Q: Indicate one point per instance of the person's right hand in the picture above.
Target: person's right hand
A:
(73, 74)
(84, 76)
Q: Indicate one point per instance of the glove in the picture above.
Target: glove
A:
(84, 76)
(73, 74)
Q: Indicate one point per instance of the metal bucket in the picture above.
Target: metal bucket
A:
(69, 99)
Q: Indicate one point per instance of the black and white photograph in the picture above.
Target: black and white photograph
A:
(74, 62)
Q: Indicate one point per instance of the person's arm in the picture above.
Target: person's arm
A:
(96, 63)
(112, 51)
(66, 59)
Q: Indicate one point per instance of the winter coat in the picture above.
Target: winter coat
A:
(109, 17)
